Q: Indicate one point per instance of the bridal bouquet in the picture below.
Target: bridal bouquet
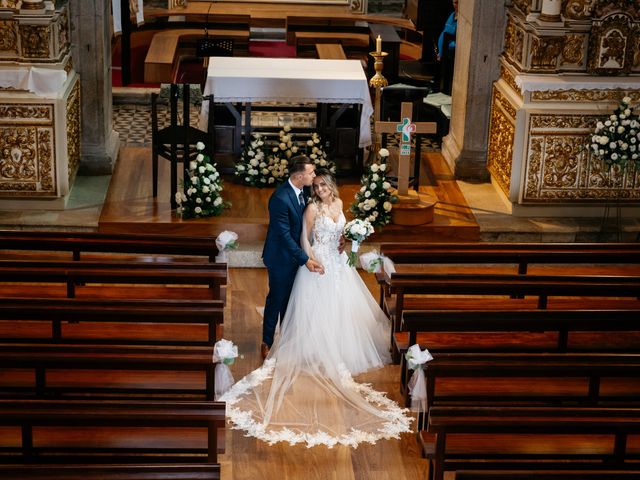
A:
(226, 241)
(357, 231)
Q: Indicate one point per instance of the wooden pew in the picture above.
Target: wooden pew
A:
(330, 51)
(58, 320)
(508, 378)
(106, 371)
(423, 291)
(470, 437)
(305, 32)
(84, 431)
(126, 246)
(160, 64)
(174, 471)
(140, 282)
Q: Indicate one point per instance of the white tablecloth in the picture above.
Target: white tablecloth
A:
(541, 83)
(46, 82)
(247, 79)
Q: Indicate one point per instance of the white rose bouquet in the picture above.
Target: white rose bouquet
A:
(254, 167)
(226, 241)
(203, 194)
(315, 151)
(616, 140)
(373, 202)
(357, 231)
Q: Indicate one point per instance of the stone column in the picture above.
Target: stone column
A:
(479, 39)
(90, 35)
(550, 11)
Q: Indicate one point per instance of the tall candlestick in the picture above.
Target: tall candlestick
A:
(378, 44)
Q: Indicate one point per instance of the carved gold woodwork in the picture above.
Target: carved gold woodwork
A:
(572, 95)
(73, 132)
(611, 45)
(523, 5)
(9, 4)
(560, 167)
(578, 9)
(20, 113)
(8, 37)
(573, 50)
(514, 42)
(35, 40)
(508, 77)
(501, 134)
(545, 52)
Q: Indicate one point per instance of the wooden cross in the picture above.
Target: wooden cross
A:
(406, 128)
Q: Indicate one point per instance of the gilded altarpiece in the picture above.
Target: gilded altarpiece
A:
(557, 81)
(39, 108)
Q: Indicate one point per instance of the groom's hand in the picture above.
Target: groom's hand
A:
(341, 244)
(314, 266)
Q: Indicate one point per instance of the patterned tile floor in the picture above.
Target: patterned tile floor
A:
(133, 123)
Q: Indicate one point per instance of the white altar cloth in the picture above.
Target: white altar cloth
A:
(45, 82)
(541, 83)
(248, 79)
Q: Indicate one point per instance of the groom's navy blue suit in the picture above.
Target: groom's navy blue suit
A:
(282, 254)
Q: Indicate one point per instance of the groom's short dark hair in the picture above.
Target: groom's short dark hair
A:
(299, 163)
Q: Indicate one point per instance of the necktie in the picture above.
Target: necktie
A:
(301, 199)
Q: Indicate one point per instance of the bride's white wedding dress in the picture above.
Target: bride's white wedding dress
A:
(333, 329)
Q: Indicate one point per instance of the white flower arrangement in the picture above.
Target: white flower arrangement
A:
(416, 358)
(203, 194)
(357, 231)
(374, 201)
(264, 163)
(224, 354)
(616, 140)
(226, 241)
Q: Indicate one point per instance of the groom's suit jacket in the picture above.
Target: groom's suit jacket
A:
(282, 246)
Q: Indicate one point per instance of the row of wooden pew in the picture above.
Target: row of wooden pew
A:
(536, 351)
(106, 347)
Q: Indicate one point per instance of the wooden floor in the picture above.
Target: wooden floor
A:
(130, 206)
(251, 459)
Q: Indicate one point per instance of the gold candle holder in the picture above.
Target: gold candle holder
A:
(378, 80)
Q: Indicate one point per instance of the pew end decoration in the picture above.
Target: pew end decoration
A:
(226, 241)
(224, 354)
(374, 262)
(417, 386)
(374, 201)
(201, 195)
(266, 163)
(357, 231)
(616, 140)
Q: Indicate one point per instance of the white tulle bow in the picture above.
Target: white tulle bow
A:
(417, 386)
(373, 262)
(226, 241)
(224, 354)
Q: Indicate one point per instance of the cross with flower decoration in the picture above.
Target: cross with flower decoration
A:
(406, 127)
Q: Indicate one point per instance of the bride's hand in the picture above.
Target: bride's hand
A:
(314, 266)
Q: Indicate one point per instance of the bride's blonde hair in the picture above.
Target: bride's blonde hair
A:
(330, 180)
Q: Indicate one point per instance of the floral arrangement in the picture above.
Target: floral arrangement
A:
(357, 231)
(373, 202)
(224, 354)
(616, 140)
(417, 385)
(226, 241)
(203, 196)
(374, 262)
(261, 164)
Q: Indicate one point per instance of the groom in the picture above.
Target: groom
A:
(282, 253)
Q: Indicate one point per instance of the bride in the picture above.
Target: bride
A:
(333, 329)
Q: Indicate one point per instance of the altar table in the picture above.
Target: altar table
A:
(289, 80)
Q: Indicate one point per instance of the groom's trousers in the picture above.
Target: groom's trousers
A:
(281, 279)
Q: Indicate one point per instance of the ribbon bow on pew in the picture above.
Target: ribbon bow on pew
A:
(417, 386)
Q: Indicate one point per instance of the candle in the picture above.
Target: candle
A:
(378, 44)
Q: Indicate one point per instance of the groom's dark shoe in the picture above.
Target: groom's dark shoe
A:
(264, 350)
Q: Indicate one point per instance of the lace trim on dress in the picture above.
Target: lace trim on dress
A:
(397, 420)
